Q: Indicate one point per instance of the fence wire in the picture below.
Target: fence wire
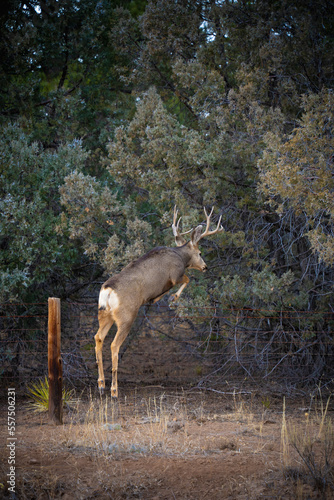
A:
(285, 347)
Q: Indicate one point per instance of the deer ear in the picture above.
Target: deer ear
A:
(179, 241)
(196, 234)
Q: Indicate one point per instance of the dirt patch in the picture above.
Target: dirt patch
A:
(157, 444)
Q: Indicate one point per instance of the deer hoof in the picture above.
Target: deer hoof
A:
(101, 385)
(114, 393)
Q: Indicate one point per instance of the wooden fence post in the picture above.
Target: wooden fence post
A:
(54, 362)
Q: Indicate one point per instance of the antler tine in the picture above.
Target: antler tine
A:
(176, 223)
(207, 231)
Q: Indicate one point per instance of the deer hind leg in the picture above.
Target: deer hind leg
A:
(184, 280)
(105, 323)
(123, 329)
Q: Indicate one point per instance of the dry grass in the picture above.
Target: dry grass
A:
(106, 427)
(308, 449)
(182, 428)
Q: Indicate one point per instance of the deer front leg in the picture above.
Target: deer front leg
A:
(158, 298)
(105, 323)
(184, 280)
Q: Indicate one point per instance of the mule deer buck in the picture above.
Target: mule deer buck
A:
(143, 281)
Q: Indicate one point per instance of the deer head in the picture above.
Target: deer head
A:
(196, 235)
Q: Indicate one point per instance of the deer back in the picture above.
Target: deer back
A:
(146, 278)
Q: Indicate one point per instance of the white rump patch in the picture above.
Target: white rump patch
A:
(108, 299)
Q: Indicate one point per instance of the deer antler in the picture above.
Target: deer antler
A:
(207, 231)
(175, 226)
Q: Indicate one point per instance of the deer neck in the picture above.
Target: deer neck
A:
(184, 253)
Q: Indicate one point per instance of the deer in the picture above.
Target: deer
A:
(145, 281)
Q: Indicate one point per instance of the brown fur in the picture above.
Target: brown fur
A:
(146, 280)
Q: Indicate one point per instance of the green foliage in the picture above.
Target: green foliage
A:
(195, 139)
(155, 154)
(31, 251)
(298, 170)
(112, 115)
(110, 230)
(264, 290)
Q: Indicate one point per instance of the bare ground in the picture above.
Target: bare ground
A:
(163, 444)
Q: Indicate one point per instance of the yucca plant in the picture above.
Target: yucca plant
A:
(39, 393)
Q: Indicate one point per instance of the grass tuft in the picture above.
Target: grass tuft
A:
(313, 444)
(39, 394)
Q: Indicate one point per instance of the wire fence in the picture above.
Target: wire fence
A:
(293, 348)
